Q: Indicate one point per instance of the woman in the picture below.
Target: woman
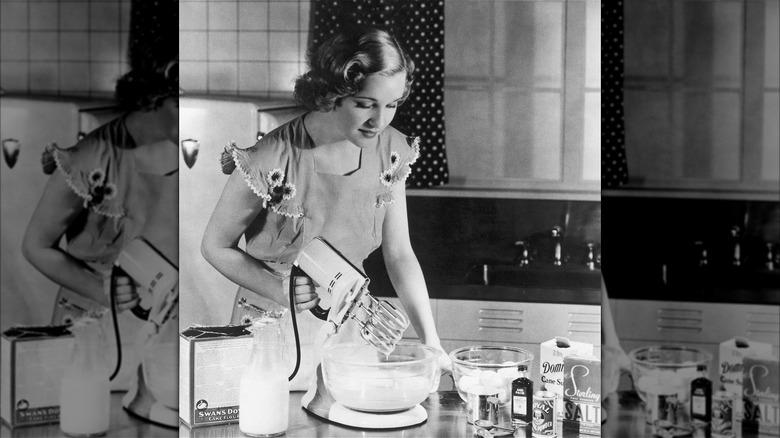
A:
(117, 184)
(338, 172)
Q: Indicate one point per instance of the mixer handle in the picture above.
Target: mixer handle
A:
(317, 311)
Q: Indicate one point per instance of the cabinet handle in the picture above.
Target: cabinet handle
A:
(666, 328)
(679, 313)
(500, 322)
(594, 318)
(501, 329)
(585, 328)
(679, 322)
(501, 313)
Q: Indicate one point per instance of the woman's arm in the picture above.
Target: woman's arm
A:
(404, 269)
(56, 210)
(238, 206)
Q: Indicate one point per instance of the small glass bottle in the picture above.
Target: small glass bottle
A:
(264, 395)
(522, 397)
(701, 396)
(85, 395)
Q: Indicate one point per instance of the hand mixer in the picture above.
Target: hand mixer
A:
(381, 323)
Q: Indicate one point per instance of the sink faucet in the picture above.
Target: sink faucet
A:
(770, 256)
(590, 257)
(558, 250)
(522, 258)
(736, 258)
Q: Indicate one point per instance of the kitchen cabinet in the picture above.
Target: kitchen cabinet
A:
(524, 99)
(694, 324)
(462, 323)
(701, 97)
(28, 296)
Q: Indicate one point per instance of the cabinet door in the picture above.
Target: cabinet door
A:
(584, 324)
(484, 321)
(207, 295)
(28, 296)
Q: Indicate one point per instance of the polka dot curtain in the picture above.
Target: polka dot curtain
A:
(419, 27)
(154, 33)
(614, 168)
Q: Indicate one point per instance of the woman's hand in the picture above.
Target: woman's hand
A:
(443, 362)
(125, 293)
(305, 294)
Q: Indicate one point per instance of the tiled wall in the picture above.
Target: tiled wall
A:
(63, 47)
(241, 47)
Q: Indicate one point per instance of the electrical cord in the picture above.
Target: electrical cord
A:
(295, 270)
(114, 271)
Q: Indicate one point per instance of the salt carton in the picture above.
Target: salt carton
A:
(761, 394)
(551, 357)
(33, 362)
(731, 354)
(582, 395)
(211, 361)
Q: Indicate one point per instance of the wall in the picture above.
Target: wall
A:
(63, 47)
(641, 235)
(451, 235)
(238, 47)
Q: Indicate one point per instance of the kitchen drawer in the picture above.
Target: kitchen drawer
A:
(695, 322)
(411, 333)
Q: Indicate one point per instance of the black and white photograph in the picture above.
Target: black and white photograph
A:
(390, 218)
(691, 229)
(89, 218)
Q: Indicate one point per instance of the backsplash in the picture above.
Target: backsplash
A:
(451, 235)
(63, 47)
(651, 250)
(239, 47)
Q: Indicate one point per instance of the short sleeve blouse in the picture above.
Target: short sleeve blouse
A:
(304, 202)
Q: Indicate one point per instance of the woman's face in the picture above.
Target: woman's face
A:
(360, 118)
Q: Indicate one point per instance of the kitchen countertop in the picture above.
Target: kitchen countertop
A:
(446, 418)
(626, 418)
(122, 424)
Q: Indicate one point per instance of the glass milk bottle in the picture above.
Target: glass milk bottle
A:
(85, 398)
(265, 392)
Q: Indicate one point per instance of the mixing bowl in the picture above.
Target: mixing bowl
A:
(487, 370)
(665, 370)
(363, 379)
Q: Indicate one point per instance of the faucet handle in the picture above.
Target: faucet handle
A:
(557, 250)
(702, 258)
(522, 258)
(770, 256)
(736, 253)
(590, 256)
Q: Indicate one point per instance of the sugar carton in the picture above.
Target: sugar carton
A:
(33, 362)
(730, 367)
(582, 395)
(211, 361)
(551, 357)
(761, 394)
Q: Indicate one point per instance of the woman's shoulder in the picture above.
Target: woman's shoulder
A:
(91, 167)
(272, 150)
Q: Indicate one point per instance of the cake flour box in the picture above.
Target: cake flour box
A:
(582, 395)
(761, 394)
(731, 355)
(551, 357)
(211, 361)
(33, 362)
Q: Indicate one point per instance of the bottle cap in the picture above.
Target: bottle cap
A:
(701, 367)
(522, 368)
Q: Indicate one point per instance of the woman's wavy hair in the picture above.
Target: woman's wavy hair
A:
(338, 66)
(146, 88)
